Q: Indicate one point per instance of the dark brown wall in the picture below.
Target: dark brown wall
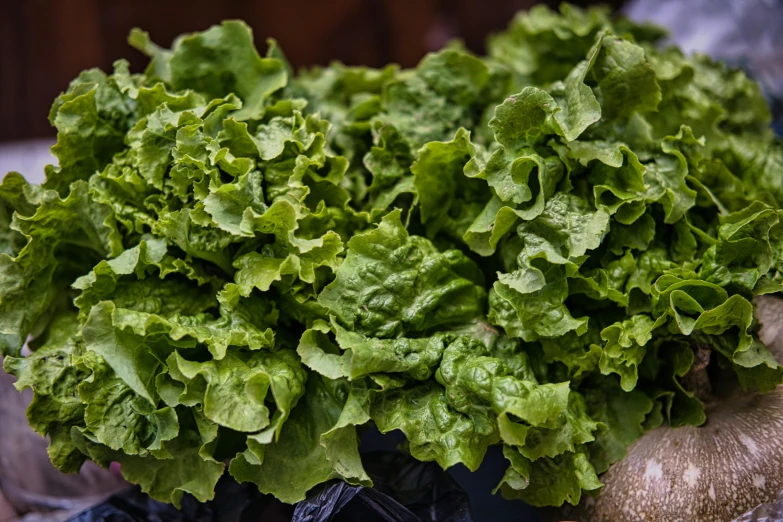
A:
(45, 43)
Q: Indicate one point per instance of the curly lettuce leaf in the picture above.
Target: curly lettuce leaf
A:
(319, 436)
(64, 238)
(434, 429)
(392, 282)
(52, 374)
(548, 481)
(216, 62)
(183, 468)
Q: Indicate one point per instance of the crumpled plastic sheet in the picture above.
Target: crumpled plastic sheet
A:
(405, 490)
(772, 512)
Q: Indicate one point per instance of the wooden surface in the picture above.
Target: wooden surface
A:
(45, 43)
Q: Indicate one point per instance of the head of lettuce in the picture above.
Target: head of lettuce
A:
(236, 264)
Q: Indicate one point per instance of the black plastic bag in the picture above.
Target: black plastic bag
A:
(233, 503)
(405, 490)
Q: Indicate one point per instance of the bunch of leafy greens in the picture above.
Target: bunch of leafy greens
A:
(234, 264)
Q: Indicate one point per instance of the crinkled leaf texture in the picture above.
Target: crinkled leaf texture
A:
(235, 264)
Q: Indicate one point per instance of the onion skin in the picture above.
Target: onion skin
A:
(712, 473)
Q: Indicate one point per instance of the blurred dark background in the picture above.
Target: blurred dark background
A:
(46, 43)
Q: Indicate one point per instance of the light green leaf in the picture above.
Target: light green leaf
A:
(391, 283)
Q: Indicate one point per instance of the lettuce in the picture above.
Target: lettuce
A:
(237, 268)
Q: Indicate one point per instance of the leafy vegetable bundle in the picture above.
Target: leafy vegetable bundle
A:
(232, 262)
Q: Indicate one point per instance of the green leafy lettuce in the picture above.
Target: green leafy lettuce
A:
(237, 268)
